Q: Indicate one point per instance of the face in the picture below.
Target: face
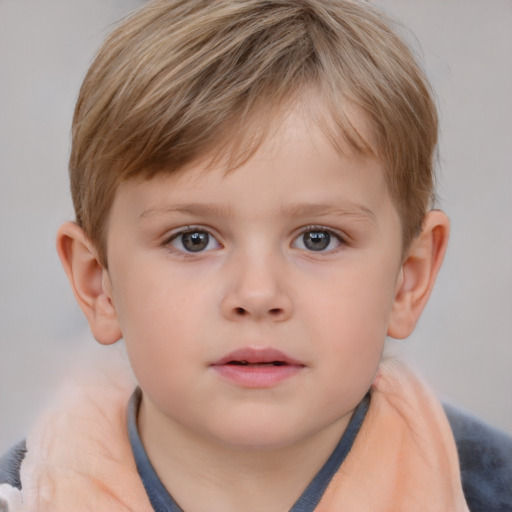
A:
(254, 304)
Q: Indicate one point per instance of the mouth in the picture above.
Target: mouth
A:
(257, 367)
(257, 357)
(247, 363)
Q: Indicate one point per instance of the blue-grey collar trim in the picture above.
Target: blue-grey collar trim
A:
(162, 501)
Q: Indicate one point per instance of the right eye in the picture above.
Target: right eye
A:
(193, 240)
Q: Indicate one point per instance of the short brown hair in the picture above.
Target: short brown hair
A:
(181, 79)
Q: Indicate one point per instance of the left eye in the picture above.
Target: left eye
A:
(318, 240)
(194, 240)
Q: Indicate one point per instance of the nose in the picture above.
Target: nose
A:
(257, 290)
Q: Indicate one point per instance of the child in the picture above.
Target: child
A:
(252, 183)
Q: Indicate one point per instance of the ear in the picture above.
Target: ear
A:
(418, 274)
(90, 282)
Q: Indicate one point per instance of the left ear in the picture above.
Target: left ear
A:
(418, 274)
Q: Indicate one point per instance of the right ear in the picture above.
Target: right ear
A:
(89, 281)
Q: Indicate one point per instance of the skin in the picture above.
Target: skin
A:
(257, 283)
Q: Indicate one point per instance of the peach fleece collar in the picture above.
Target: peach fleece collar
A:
(404, 458)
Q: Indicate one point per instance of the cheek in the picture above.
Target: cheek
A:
(355, 302)
(153, 298)
(349, 320)
(161, 324)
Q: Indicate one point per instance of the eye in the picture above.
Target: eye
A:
(193, 240)
(318, 240)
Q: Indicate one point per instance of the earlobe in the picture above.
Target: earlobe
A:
(89, 281)
(418, 274)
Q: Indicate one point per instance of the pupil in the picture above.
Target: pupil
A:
(195, 241)
(317, 240)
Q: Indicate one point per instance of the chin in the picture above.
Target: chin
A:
(259, 435)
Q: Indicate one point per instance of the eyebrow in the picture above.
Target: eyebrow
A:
(193, 209)
(348, 209)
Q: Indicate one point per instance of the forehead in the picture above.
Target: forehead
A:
(295, 171)
(304, 123)
(306, 114)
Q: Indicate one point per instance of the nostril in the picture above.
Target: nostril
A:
(240, 311)
(275, 311)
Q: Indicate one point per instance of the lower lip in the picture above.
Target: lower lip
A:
(257, 376)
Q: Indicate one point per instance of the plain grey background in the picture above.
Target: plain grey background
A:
(463, 344)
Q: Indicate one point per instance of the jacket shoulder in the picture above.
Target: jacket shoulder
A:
(485, 456)
(10, 464)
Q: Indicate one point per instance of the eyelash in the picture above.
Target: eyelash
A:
(338, 236)
(168, 241)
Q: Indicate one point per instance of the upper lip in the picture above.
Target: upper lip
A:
(258, 355)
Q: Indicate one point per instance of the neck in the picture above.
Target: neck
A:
(206, 474)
